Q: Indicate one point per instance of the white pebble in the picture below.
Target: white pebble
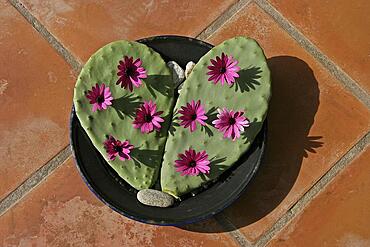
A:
(178, 75)
(155, 198)
(189, 67)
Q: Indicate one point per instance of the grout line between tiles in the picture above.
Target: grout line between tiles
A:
(35, 179)
(320, 185)
(222, 19)
(38, 176)
(304, 42)
(75, 63)
(232, 230)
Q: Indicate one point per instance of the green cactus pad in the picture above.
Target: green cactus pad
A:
(250, 93)
(142, 170)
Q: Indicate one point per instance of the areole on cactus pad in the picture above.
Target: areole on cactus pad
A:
(145, 138)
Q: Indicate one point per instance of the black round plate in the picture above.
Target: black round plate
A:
(121, 197)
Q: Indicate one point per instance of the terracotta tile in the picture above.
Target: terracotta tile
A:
(339, 216)
(312, 120)
(36, 94)
(85, 26)
(66, 213)
(339, 28)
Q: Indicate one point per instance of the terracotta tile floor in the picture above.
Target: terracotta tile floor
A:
(339, 216)
(85, 26)
(32, 78)
(66, 213)
(313, 122)
(339, 28)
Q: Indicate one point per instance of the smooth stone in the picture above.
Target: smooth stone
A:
(155, 198)
(189, 67)
(178, 74)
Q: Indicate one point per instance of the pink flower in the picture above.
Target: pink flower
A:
(99, 97)
(191, 114)
(231, 123)
(223, 69)
(115, 147)
(147, 118)
(192, 163)
(130, 72)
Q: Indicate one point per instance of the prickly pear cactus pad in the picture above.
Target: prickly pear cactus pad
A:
(108, 104)
(220, 110)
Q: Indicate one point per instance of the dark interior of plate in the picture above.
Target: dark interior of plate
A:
(121, 197)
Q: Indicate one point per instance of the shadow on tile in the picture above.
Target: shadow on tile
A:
(294, 103)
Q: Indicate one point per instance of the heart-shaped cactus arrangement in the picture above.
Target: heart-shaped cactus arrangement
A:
(124, 98)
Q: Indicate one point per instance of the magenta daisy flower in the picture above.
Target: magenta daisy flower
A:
(231, 123)
(191, 114)
(116, 147)
(130, 72)
(147, 118)
(192, 163)
(100, 97)
(223, 69)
